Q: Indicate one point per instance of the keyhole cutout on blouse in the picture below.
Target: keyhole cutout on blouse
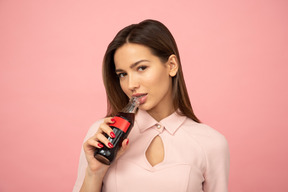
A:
(155, 151)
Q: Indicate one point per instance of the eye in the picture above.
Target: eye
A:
(121, 75)
(141, 68)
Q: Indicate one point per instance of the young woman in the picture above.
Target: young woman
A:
(168, 148)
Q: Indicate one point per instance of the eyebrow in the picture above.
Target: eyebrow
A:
(133, 65)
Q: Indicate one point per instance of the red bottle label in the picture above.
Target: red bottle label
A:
(120, 123)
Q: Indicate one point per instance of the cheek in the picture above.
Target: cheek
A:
(124, 87)
(157, 78)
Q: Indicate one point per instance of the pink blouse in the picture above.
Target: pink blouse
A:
(196, 158)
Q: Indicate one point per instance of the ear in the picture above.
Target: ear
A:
(173, 65)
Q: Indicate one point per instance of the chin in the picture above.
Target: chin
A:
(144, 107)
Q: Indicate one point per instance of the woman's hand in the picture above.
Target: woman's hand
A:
(96, 170)
(96, 141)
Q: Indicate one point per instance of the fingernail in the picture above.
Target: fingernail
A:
(112, 135)
(110, 145)
(127, 141)
(100, 145)
(113, 120)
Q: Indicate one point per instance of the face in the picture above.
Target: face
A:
(143, 74)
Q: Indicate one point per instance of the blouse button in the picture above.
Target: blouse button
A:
(158, 126)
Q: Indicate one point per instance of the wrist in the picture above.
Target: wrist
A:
(99, 173)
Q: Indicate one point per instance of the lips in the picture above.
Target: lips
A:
(139, 95)
(142, 97)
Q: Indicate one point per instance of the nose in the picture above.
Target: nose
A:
(133, 83)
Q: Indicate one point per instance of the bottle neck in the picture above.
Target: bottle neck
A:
(132, 106)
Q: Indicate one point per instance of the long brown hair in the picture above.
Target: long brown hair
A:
(156, 36)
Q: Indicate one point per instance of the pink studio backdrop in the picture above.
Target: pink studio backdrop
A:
(234, 54)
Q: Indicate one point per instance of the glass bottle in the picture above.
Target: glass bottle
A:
(124, 121)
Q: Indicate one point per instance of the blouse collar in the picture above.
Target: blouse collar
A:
(170, 123)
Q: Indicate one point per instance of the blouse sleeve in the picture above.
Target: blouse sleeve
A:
(217, 165)
(82, 160)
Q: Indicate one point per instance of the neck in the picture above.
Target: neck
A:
(164, 108)
(161, 114)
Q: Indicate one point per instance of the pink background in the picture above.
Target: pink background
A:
(235, 59)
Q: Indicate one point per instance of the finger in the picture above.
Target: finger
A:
(125, 143)
(124, 147)
(106, 122)
(109, 120)
(104, 127)
(104, 140)
(92, 143)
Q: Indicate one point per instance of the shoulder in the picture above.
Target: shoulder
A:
(208, 137)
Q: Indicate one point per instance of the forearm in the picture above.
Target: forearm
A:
(92, 182)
